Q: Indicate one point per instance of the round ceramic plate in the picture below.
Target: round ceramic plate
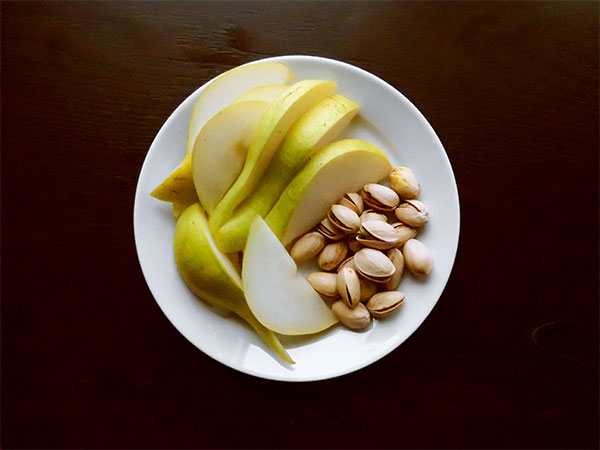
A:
(386, 119)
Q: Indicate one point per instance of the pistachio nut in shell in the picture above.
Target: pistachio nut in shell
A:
(371, 214)
(404, 233)
(324, 283)
(404, 182)
(413, 213)
(373, 265)
(348, 262)
(332, 255)
(348, 286)
(397, 259)
(377, 234)
(417, 257)
(307, 246)
(380, 197)
(384, 303)
(327, 229)
(367, 289)
(353, 201)
(357, 318)
(344, 219)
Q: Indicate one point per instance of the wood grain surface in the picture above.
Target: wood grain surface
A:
(90, 361)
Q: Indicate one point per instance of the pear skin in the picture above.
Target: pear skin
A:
(211, 276)
(340, 167)
(179, 185)
(224, 90)
(271, 130)
(319, 126)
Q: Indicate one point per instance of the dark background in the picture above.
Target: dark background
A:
(89, 360)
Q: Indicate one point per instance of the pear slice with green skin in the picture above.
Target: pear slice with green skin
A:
(280, 298)
(211, 276)
(220, 150)
(319, 126)
(343, 166)
(271, 130)
(265, 93)
(179, 185)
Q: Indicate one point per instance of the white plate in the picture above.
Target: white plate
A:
(386, 119)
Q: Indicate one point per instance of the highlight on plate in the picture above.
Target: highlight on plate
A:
(269, 182)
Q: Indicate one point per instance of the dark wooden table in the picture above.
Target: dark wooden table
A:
(88, 358)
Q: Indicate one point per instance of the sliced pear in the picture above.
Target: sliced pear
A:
(275, 123)
(179, 186)
(211, 275)
(179, 208)
(221, 148)
(280, 298)
(343, 166)
(316, 128)
(265, 93)
(230, 85)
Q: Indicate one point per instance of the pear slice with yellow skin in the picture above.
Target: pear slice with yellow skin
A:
(319, 126)
(265, 93)
(211, 275)
(179, 185)
(280, 298)
(272, 128)
(179, 208)
(343, 166)
(220, 150)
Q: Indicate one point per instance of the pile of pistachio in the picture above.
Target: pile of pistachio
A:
(362, 256)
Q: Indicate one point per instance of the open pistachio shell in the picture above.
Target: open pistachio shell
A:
(380, 197)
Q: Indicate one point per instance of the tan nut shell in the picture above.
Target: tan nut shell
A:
(404, 182)
(397, 259)
(307, 246)
(404, 233)
(327, 229)
(344, 219)
(417, 257)
(371, 214)
(324, 283)
(385, 303)
(348, 286)
(354, 318)
(367, 289)
(380, 197)
(378, 234)
(348, 262)
(413, 213)
(374, 265)
(353, 201)
(332, 255)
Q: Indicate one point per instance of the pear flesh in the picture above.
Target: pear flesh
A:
(211, 275)
(272, 128)
(280, 298)
(316, 128)
(227, 87)
(343, 166)
(179, 186)
(265, 93)
(221, 148)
